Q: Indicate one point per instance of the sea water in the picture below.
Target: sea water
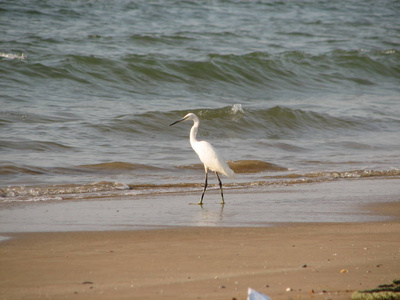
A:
(289, 92)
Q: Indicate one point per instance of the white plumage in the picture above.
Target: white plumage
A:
(208, 155)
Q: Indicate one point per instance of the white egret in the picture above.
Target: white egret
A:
(208, 155)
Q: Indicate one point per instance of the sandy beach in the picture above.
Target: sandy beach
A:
(286, 261)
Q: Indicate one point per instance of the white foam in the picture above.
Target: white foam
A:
(20, 56)
(4, 238)
(237, 108)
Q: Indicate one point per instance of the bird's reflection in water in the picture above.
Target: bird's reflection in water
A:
(210, 215)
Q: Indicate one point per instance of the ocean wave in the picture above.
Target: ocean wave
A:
(294, 70)
(58, 190)
(19, 56)
(240, 166)
(279, 121)
(106, 189)
(113, 167)
(8, 168)
(179, 51)
(243, 166)
(33, 146)
(254, 166)
(351, 174)
(92, 98)
(234, 122)
(234, 73)
(241, 122)
(242, 119)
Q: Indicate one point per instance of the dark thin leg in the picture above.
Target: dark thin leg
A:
(205, 187)
(220, 186)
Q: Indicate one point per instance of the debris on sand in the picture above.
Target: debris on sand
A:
(255, 295)
(382, 292)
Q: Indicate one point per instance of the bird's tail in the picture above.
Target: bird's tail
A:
(230, 173)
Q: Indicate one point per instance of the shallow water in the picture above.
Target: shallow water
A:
(338, 201)
(289, 91)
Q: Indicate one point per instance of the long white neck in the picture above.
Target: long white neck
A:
(193, 131)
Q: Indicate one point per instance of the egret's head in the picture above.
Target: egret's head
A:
(189, 116)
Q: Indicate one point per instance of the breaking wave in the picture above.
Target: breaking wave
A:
(108, 189)
(19, 56)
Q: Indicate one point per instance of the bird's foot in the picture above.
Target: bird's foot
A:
(201, 204)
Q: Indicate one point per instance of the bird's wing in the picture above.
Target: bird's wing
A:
(212, 159)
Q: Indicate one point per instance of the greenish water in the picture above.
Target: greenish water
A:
(88, 89)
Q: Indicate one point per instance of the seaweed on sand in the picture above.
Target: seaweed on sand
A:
(382, 292)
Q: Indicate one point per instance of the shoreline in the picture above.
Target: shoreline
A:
(307, 261)
(338, 201)
(284, 260)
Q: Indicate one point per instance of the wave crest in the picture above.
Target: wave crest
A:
(18, 56)
(115, 189)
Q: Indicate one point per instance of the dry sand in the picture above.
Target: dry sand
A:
(293, 261)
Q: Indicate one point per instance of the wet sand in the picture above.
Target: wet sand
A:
(290, 261)
(335, 201)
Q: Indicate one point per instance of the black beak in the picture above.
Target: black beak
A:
(183, 119)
